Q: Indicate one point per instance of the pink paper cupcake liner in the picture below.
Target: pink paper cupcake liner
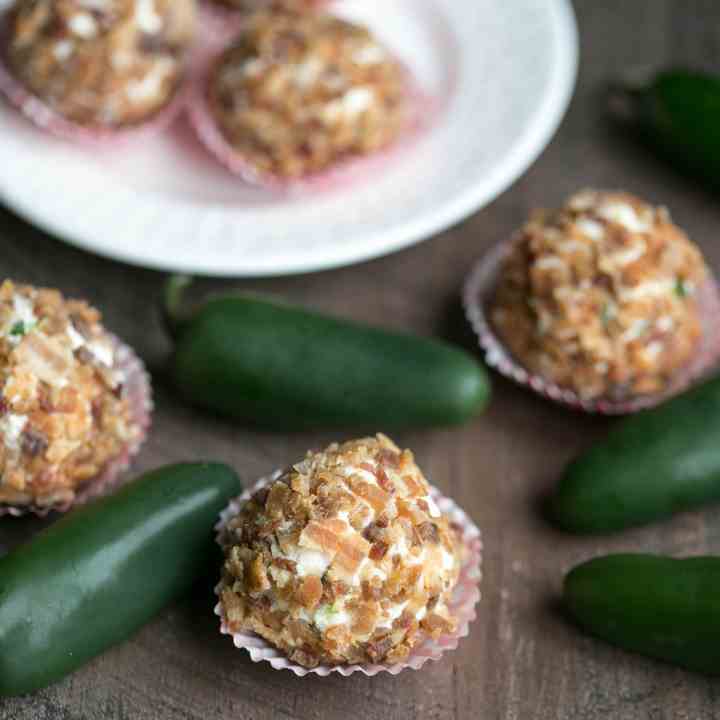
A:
(478, 293)
(45, 118)
(217, 14)
(217, 25)
(462, 604)
(139, 394)
(423, 110)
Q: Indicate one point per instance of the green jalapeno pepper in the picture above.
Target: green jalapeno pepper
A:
(661, 607)
(97, 575)
(282, 367)
(653, 464)
(677, 113)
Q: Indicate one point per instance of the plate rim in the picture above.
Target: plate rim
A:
(538, 133)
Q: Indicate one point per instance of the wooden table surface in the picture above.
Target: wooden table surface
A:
(522, 660)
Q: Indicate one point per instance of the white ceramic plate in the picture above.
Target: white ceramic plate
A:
(505, 71)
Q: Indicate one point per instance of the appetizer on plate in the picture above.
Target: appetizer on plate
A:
(299, 93)
(96, 64)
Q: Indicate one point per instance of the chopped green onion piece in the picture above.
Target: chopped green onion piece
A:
(21, 328)
(18, 329)
(607, 314)
(326, 612)
(682, 289)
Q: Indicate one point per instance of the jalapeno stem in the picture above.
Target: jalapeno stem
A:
(625, 94)
(173, 313)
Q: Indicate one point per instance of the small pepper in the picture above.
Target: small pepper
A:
(266, 362)
(93, 578)
(677, 113)
(662, 607)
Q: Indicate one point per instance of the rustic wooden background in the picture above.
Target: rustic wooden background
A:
(522, 660)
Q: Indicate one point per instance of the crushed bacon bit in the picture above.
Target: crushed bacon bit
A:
(46, 405)
(371, 590)
(373, 532)
(339, 588)
(257, 576)
(272, 619)
(424, 506)
(323, 535)
(305, 658)
(428, 531)
(285, 564)
(360, 517)
(277, 499)
(379, 550)
(299, 484)
(414, 487)
(268, 528)
(85, 356)
(405, 621)
(366, 617)
(376, 497)
(303, 632)
(435, 624)
(81, 325)
(385, 482)
(407, 460)
(377, 650)
(410, 511)
(389, 458)
(352, 550)
(310, 591)
(34, 442)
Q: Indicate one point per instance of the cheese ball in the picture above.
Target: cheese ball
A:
(101, 63)
(345, 558)
(299, 91)
(600, 296)
(63, 413)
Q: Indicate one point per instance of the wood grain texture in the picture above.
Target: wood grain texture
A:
(522, 660)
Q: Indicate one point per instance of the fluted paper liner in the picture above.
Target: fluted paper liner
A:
(462, 604)
(216, 13)
(478, 294)
(139, 394)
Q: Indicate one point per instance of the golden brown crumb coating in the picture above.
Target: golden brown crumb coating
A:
(299, 91)
(63, 414)
(105, 63)
(600, 296)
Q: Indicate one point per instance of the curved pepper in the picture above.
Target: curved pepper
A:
(95, 577)
(282, 367)
(676, 112)
(653, 464)
(665, 608)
